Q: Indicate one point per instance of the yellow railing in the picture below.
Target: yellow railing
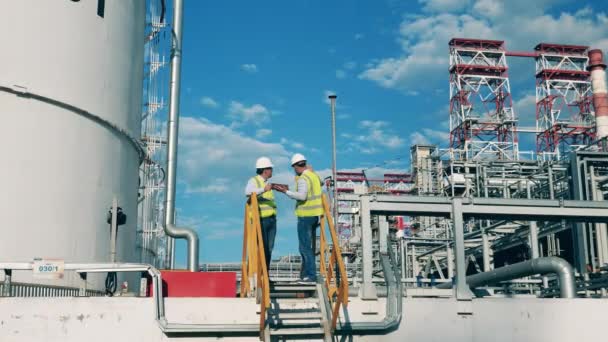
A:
(331, 265)
(254, 275)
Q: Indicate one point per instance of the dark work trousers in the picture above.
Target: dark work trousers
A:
(306, 231)
(269, 231)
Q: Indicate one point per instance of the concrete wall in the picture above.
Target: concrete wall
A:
(131, 319)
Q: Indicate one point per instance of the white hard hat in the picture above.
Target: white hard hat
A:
(263, 163)
(297, 158)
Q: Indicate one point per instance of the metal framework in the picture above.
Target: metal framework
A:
(482, 121)
(564, 115)
(460, 211)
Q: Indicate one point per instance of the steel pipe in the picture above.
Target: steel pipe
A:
(172, 133)
(545, 265)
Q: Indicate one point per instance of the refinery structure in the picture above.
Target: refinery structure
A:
(479, 240)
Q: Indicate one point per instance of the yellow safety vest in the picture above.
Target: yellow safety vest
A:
(266, 201)
(313, 205)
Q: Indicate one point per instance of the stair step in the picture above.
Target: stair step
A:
(294, 288)
(289, 294)
(300, 315)
(291, 303)
(277, 324)
(297, 331)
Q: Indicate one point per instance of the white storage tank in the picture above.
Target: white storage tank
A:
(70, 100)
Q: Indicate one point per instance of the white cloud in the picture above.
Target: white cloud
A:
(263, 133)
(374, 137)
(220, 185)
(418, 138)
(256, 114)
(443, 5)
(489, 8)
(297, 145)
(210, 228)
(209, 102)
(211, 154)
(340, 74)
(525, 109)
(350, 65)
(437, 136)
(422, 64)
(250, 68)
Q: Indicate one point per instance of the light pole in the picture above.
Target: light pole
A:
(332, 100)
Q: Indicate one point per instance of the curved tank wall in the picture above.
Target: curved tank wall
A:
(61, 169)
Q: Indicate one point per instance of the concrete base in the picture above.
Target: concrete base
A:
(425, 319)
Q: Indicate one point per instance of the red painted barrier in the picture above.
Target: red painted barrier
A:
(197, 284)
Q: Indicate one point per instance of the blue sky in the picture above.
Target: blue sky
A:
(256, 76)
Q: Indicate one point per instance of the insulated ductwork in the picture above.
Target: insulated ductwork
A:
(600, 93)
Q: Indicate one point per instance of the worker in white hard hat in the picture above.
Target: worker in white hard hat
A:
(309, 208)
(268, 208)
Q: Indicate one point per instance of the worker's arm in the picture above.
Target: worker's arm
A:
(302, 192)
(252, 187)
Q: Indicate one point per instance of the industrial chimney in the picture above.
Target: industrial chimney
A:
(600, 93)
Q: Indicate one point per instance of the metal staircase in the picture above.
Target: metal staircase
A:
(298, 312)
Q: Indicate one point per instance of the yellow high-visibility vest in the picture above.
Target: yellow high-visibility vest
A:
(266, 201)
(313, 205)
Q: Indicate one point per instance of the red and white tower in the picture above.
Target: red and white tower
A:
(482, 121)
(564, 117)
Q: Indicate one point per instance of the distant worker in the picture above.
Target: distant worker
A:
(268, 208)
(309, 208)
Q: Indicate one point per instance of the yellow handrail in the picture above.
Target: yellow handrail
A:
(254, 275)
(337, 289)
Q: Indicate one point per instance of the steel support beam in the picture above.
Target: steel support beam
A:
(485, 242)
(497, 209)
(383, 234)
(368, 290)
(462, 290)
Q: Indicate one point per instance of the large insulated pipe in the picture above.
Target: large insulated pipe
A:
(172, 133)
(527, 268)
(600, 93)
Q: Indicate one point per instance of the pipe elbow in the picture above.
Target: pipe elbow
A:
(193, 246)
(564, 271)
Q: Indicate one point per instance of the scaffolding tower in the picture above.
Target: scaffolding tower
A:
(564, 117)
(482, 121)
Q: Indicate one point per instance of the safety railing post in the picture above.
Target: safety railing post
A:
(83, 285)
(6, 290)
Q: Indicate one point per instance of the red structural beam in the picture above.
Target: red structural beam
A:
(481, 70)
(482, 44)
(522, 54)
(573, 75)
(562, 49)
